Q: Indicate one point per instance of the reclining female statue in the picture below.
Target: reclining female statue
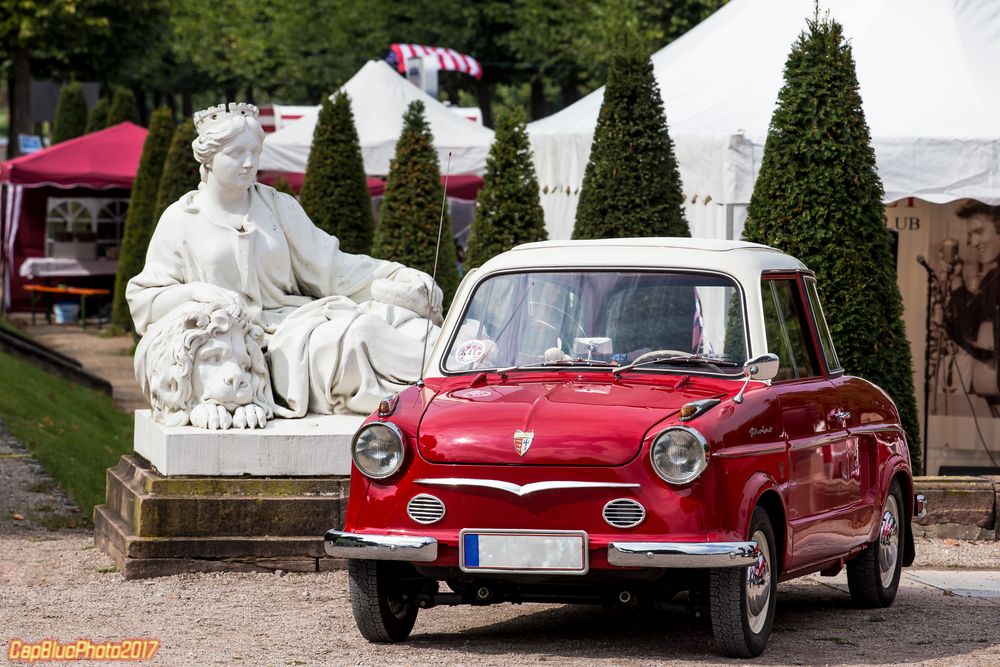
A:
(340, 330)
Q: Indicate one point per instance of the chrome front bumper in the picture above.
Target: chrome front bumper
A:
(683, 554)
(418, 549)
(381, 547)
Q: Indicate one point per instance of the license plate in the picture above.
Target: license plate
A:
(523, 551)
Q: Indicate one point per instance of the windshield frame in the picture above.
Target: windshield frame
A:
(569, 368)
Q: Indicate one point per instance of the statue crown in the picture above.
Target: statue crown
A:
(205, 121)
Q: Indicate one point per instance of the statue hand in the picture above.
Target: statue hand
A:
(203, 292)
(249, 416)
(211, 416)
(412, 289)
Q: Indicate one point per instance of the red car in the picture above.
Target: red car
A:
(628, 422)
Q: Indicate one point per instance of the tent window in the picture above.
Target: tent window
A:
(84, 228)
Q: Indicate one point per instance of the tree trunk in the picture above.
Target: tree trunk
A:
(569, 87)
(19, 88)
(537, 99)
(187, 105)
(141, 103)
(485, 95)
(250, 95)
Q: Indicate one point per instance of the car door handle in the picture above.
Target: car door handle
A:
(842, 416)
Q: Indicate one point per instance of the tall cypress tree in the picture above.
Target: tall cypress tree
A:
(407, 231)
(71, 113)
(97, 119)
(123, 108)
(508, 211)
(631, 186)
(335, 192)
(819, 198)
(139, 221)
(180, 171)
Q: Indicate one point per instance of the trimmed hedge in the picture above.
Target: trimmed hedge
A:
(508, 210)
(139, 222)
(71, 113)
(97, 119)
(818, 197)
(631, 186)
(335, 192)
(180, 171)
(407, 231)
(124, 108)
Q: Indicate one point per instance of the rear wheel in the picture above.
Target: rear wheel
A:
(742, 599)
(382, 609)
(873, 577)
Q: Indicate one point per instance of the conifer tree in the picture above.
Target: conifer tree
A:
(819, 198)
(631, 186)
(335, 192)
(139, 221)
(180, 171)
(408, 221)
(97, 119)
(508, 211)
(123, 108)
(71, 113)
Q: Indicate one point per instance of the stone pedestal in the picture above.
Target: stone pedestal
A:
(245, 501)
(316, 445)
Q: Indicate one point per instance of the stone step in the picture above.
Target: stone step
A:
(222, 507)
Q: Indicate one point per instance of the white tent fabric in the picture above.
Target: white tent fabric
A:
(379, 97)
(929, 73)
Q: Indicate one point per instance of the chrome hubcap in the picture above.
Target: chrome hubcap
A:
(758, 585)
(888, 542)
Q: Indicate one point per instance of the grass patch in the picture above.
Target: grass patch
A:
(107, 570)
(76, 433)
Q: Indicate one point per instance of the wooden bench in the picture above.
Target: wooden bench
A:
(39, 292)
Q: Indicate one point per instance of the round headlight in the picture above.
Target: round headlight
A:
(679, 455)
(378, 450)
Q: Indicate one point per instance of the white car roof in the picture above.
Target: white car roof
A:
(737, 258)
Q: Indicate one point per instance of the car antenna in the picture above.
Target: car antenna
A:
(437, 252)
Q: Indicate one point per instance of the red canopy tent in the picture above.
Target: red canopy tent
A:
(102, 163)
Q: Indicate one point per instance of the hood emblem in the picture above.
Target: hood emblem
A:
(522, 440)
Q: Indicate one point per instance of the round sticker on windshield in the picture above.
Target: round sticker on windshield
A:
(470, 351)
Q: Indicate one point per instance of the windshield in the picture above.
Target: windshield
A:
(600, 317)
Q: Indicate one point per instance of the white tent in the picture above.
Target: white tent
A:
(929, 72)
(379, 97)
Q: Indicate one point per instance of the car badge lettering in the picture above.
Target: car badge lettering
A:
(522, 440)
(754, 432)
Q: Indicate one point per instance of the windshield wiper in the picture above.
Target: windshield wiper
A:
(559, 362)
(711, 362)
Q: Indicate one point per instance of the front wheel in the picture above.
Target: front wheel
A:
(873, 577)
(383, 611)
(742, 599)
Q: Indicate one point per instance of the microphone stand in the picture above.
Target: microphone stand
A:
(927, 350)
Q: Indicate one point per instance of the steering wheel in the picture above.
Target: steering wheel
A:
(661, 353)
(575, 321)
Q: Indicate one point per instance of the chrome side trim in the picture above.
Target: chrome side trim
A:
(381, 547)
(683, 554)
(519, 490)
(919, 505)
(755, 449)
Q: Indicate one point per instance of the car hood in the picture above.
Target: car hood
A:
(555, 422)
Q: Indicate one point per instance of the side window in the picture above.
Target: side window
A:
(825, 339)
(787, 329)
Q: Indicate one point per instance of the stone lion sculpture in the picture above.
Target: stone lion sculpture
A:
(203, 364)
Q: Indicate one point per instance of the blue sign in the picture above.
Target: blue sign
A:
(28, 143)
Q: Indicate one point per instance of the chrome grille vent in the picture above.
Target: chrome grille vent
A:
(624, 513)
(425, 508)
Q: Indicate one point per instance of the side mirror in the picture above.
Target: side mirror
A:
(764, 367)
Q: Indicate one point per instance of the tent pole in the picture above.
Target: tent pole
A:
(730, 224)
